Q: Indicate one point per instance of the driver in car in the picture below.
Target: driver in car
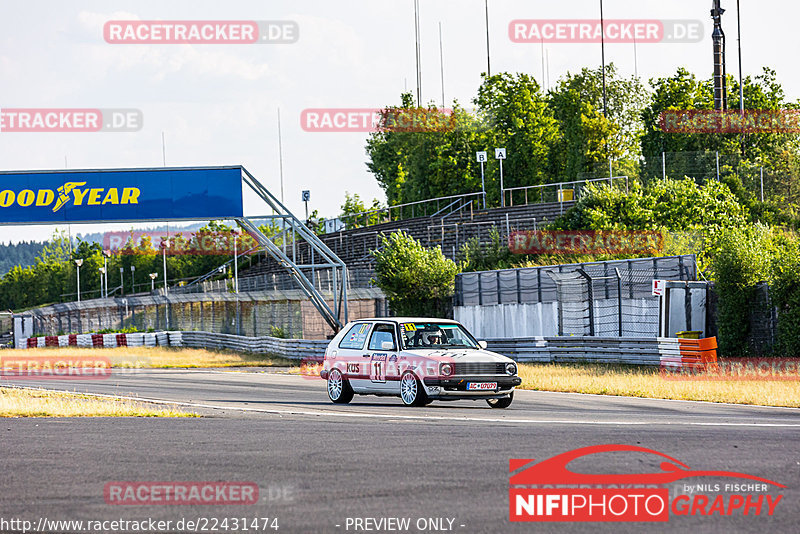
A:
(435, 338)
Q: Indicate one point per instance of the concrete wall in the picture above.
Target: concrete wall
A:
(247, 314)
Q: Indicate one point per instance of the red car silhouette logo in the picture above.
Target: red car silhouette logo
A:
(554, 470)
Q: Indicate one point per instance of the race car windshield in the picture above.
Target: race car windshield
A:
(436, 335)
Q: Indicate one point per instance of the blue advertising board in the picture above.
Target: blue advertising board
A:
(51, 197)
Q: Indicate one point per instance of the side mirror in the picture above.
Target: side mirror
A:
(482, 344)
(387, 345)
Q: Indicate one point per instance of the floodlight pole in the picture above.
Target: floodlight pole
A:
(133, 286)
(483, 186)
(106, 254)
(235, 265)
(79, 262)
(166, 287)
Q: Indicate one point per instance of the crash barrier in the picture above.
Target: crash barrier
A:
(661, 351)
(107, 341)
(699, 353)
(293, 349)
(668, 352)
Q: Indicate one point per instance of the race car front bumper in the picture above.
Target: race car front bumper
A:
(457, 386)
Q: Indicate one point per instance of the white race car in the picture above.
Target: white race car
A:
(419, 360)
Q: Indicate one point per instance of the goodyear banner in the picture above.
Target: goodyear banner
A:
(120, 195)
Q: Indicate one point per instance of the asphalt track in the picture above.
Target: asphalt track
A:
(318, 464)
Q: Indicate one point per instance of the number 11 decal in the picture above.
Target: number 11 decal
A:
(378, 371)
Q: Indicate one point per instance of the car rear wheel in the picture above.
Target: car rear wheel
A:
(339, 389)
(501, 403)
(411, 391)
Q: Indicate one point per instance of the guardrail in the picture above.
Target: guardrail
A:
(292, 349)
(660, 351)
(668, 352)
(539, 191)
(418, 208)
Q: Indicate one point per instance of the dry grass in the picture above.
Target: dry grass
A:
(646, 382)
(158, 357)
(34, 403)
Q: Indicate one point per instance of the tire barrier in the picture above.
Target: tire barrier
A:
(97, 341)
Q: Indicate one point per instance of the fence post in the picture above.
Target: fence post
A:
(591, 299)
(619, 300)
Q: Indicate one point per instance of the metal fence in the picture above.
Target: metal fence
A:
(279, 281)
(610, 298)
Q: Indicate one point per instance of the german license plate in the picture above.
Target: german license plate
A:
(481, 386)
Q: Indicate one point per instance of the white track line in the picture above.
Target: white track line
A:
(352, 415)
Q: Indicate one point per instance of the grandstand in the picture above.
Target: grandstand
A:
(450, 232)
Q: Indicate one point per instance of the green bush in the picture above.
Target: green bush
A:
(785, 294)
(676, 205)
(417, 280)
(495, 255)
(743, 257)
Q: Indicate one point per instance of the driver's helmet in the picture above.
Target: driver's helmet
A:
(435, 337)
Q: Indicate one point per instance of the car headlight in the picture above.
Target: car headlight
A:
(511, 368)
(446, 369)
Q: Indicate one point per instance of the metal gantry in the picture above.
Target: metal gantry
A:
(322, 257)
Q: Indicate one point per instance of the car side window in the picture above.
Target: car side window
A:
(355, 337)
(381, 334)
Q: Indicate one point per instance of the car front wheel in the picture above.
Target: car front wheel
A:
(505, 402)
(339, 389)
(411, 391)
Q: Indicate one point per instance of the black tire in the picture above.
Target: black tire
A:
(339, 389)
(412, 393)
(505, 402)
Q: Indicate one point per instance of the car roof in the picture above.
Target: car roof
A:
(404, 320)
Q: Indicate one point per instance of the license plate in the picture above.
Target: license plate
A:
(479, 386)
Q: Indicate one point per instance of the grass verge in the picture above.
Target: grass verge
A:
(36, 403)
(647, 382)
(156, 357)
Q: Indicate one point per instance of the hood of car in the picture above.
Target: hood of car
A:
(459, 355)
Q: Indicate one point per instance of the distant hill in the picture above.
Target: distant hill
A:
(22, 254)
(97, 237)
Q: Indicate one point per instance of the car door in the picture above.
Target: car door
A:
(350, 360)
(382, 360)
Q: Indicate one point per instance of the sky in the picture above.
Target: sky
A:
(217, 104)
